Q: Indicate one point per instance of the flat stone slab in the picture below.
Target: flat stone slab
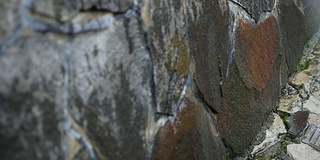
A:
(302, 152)
(312, 136)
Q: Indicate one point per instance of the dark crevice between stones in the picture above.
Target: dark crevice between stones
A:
(164, 114)
(200, 97)
(244, 9)
(221, 75)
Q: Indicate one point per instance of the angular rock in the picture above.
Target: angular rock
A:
(311, 13)
(248, 98)
(192, 134)
(11, 23)
(256, 7)
(257, 48)
(76, 79)
(209, 49)
(290, 104)
(302, 151)
(297, 122)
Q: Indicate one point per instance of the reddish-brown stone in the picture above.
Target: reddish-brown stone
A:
(252, 87)
(298, 122)
(191, 135)
(257, 49)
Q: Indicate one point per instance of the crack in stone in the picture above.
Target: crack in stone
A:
(242, 8)
(201, 98)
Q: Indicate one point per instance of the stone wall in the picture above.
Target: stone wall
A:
(143, 79)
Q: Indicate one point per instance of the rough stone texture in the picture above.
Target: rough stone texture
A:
(292, 24)
(193, 134)
(209, 46)
(257, 48)
(298, 122)
(107, 79)
(169, 46)
(245, 95)
(256, 7)
(30, 121)
(111, 85)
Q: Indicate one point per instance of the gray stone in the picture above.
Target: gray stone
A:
(30, 85)
(166, 24)
(311, 136)
(142, 79)
(302, 151)
(256, 7)
(292, 24)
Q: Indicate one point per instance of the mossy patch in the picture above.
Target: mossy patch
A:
(286, 142)
(302, 65)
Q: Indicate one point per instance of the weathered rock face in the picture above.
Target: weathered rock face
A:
(209, 46)
(193, 131)
(252, 84)
(144, 79)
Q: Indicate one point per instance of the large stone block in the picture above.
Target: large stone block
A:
(209, 48)
(252, 87)
(256, 7)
